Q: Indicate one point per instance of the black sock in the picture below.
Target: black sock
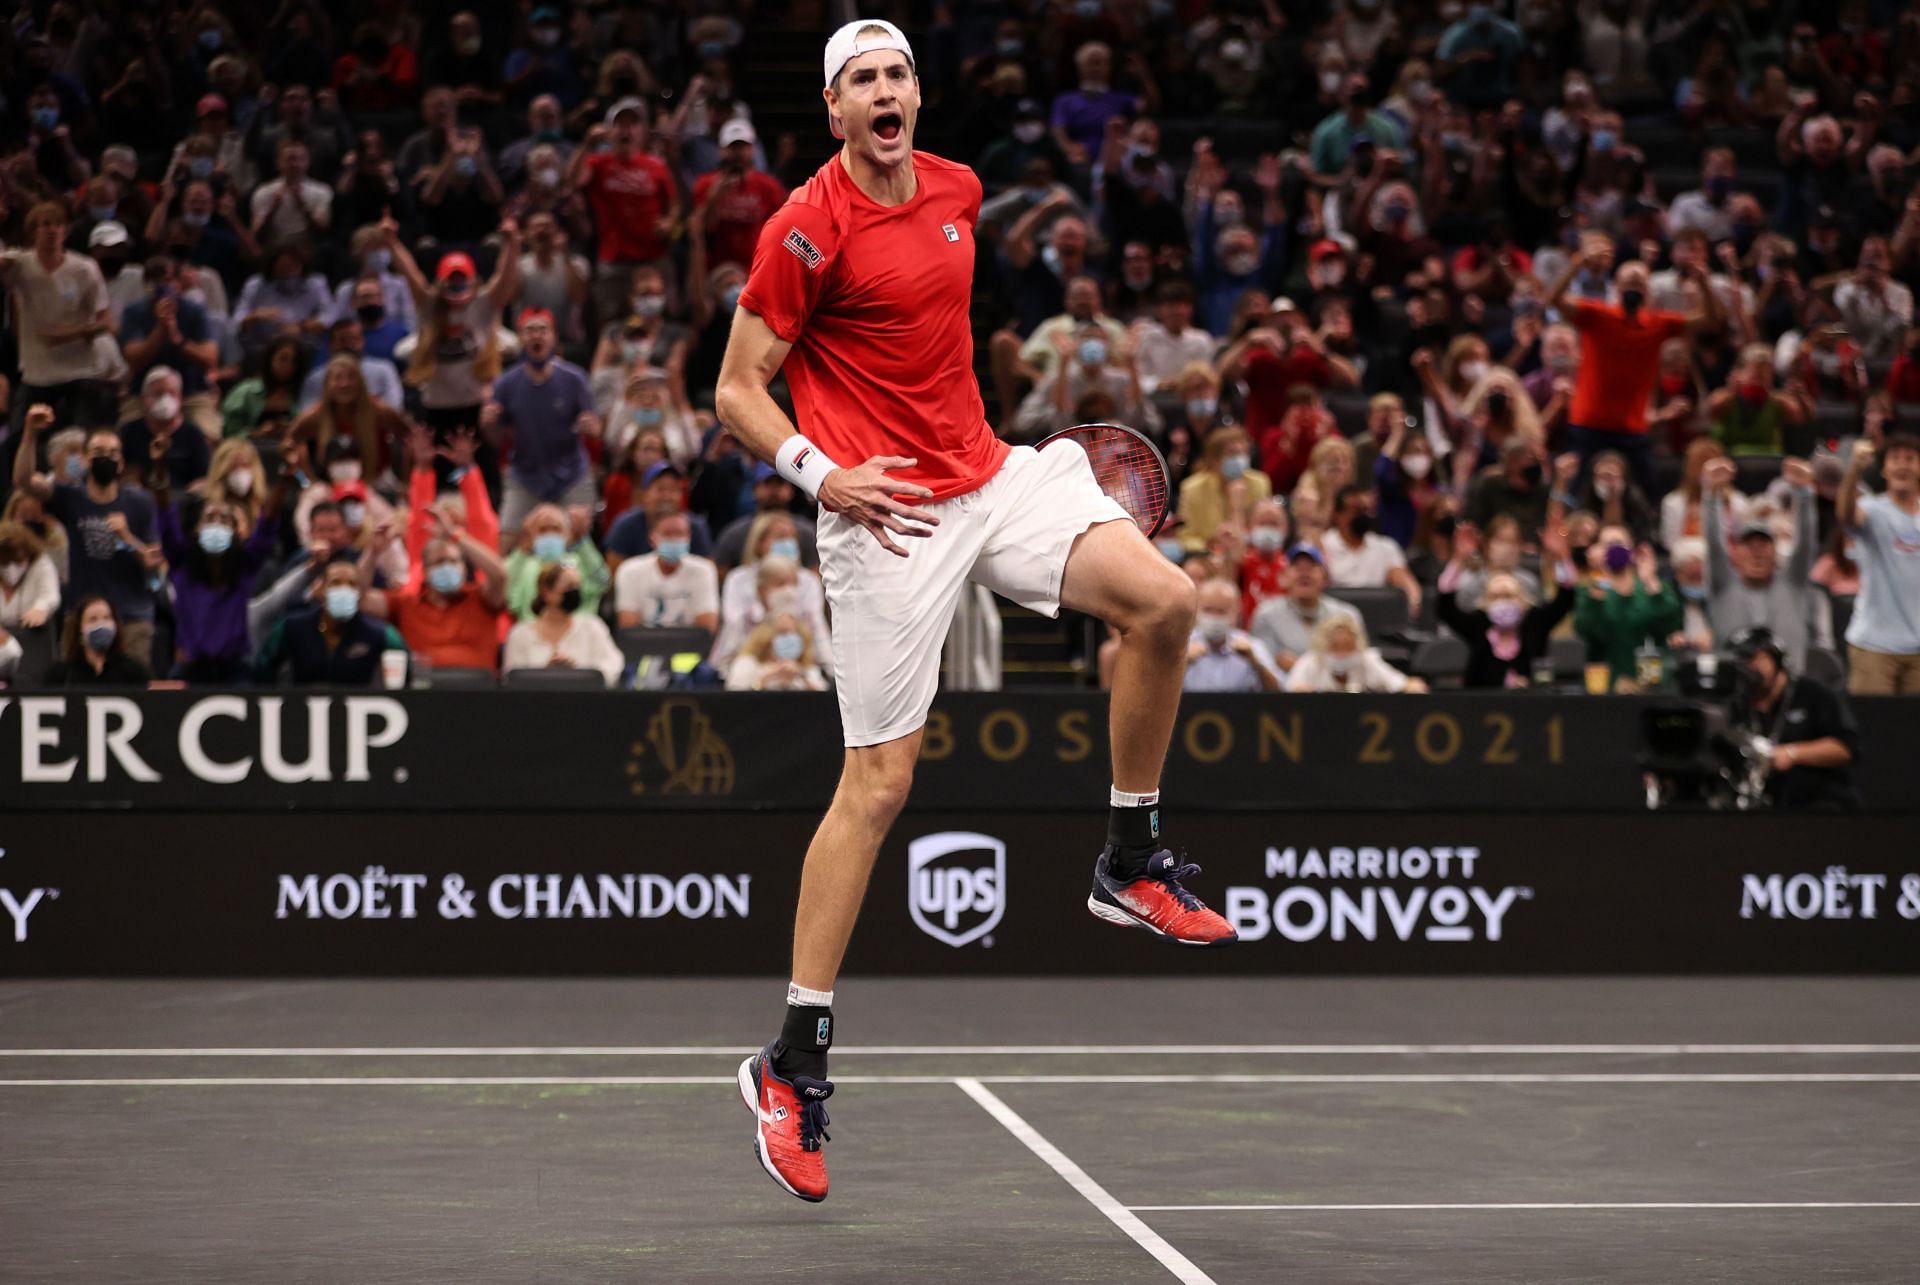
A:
(805, 1037)
(1134, 835)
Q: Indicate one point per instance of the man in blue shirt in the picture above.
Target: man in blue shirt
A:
(546, 404)
(167, 329)
(1477, 56)
(662, 491)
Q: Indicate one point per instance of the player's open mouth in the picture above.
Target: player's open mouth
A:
(887, 126)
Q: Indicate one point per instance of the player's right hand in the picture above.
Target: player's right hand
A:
(864, 494)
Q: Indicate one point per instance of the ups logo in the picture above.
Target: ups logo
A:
(680, 753)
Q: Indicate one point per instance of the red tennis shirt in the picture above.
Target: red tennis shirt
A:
(874, 300)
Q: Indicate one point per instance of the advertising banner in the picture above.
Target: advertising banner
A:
(549, 751)
(981, 891)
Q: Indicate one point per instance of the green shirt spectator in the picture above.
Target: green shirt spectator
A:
(1620, 612)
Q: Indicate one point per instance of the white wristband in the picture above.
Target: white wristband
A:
(803, 464)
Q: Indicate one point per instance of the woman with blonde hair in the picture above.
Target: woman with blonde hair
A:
(456, 354)
(29, 592)
(1330, 466)
(1680, 514)
(1339, 660)
(347, 409)
(769, 582)
(28, 510)
(1222, 489)
(1497, 410)
(777, 657)
(236, 478)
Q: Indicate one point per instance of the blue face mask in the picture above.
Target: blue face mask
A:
(379, 259)
(200, 166)
(789, 646)
(210, 39)
(1093, 352)
(193, 220)
(100, 213)
(101, 637)
(1201, 408)
(466, 167)
(1232, 466)
(1172, 550)
(672, 551)
(784, 549)
(648, 416)
(45, 117)
(216, 540)
(730, 297)
(1267, 539)
(549, 547)
(446, 577)
(1604, 139)
(76, 467)
(343, 602)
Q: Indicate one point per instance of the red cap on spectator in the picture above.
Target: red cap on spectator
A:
(535, 314)
(210, 104)
(349, 491)
(452, 263)
(1324, 247)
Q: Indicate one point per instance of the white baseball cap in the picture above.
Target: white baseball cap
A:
(847, 44)
(736, 131)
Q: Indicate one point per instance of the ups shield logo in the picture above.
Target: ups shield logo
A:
(680, 753)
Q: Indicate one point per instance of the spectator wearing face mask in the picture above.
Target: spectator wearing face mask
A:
(109, 525)
(672, 587)
(1496, 551)
(1284, 625)
(561, 633)
(1625, 606)
(1619, 361)
(1615, 498)
(1222, 489)
(662, 491)
(1263, 567)
(1230, 256)
(1086, 361)
(1404, 474)
(1222, 657)
(284, 298)
(777, 656)
(1338, 659)
(94, 651)
(187, 454)
(387, 308)
(550, 537)
(1331, 467)
(347, 337)
(452, 615)
(29, 592)
(292, 207)
(772, 583)
(1751, 416)
(1508, 626)
(331, 642)
(212, 565)
(1277, 355)
(1360, 557)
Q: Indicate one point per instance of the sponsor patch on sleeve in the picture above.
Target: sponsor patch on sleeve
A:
(804, 250)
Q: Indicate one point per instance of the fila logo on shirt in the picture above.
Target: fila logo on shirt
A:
(953, 233)
(803, 249)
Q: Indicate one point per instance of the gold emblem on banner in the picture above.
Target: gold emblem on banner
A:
(680, 753)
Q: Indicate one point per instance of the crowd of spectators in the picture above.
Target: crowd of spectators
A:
(347, 338)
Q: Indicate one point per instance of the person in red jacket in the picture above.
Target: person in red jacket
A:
(733, 203)
(636, 205)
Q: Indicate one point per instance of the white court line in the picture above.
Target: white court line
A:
(392, 1081)
(995, 1050)
(1634, 1204)
(1077, 1178)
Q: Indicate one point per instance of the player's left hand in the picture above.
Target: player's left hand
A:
(865, 495)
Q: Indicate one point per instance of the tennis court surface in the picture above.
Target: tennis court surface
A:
(1238, 1131)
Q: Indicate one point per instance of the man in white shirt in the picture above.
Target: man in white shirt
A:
(669, 588)
(1170, 342)
(1710, 206)
(1358, 557)
(61, 315)
(292, 206)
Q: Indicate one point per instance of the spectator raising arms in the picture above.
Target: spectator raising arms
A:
(1883, 638)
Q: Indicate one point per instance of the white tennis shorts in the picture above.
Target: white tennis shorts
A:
(890, 614)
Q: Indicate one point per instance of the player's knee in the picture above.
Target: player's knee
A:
(881, 780)
(1173, 606)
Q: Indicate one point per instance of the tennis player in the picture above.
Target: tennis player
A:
(860, 289)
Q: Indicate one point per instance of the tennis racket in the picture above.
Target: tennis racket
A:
(1128, 467)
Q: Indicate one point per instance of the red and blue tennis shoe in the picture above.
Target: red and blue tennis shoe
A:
(1157, 901)
(790, 1124)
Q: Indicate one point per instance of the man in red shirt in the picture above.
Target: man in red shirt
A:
(860, 289)
(636, 205)
(734, 202)
(1279, 352)
(1619, 361)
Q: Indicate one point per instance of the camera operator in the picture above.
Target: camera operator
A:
(1809, 725)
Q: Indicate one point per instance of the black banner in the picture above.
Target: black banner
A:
(438, 751)
(974, 892)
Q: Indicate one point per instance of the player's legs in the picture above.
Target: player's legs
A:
(873, 788)
(1114, 573)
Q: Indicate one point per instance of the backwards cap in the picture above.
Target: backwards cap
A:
(847, 44)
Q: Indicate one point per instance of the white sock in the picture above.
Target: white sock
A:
(1119, 798)
(800, 997)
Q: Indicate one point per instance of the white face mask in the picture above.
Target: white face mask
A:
(344, 471)
(1473, 371)
(782, 601)
(165, 406)
(13, 572)
(1341, 667)
(240, 481)
(1417, 466)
